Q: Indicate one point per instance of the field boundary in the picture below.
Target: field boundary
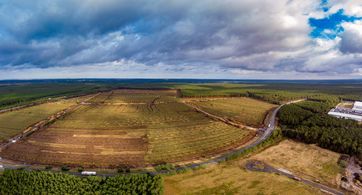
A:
(219, 118)
(267, 133)
(42, 124)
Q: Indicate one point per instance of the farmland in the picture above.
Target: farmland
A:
(275, 92)
(129, 128)
(25, 93)
(242, 110)
(232, 178)
(307, 161)
(123, 128)
(12, 123)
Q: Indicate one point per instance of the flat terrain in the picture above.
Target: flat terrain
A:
(22, 93)
(242, 110)
(307, 161)
(232, 178)
(129, 127)
(348, 105)
(12, 123)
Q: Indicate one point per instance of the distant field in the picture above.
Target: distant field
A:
(129, 127)
(24, 93)
(232, 178)
(243, 110)
(12, 123)
(307, 161)
(275, 92)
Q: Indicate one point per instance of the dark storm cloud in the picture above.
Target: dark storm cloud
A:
(245, 35)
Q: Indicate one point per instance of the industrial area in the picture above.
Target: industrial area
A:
(354, 113)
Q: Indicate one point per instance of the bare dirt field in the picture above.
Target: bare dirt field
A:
(348, 105)
(307, 161)
(129, 127)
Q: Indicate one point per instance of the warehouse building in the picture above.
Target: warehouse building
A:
(355, 113)
(357, 106)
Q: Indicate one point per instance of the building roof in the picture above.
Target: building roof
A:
(357, 105)
(344, 115)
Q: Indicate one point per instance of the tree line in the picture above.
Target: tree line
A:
(309, 122)
(44, 182)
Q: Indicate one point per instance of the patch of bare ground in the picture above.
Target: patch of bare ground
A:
(307, 161)
(91, 149)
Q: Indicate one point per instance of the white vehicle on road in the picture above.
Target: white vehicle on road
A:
(284, 171)
(89, 173)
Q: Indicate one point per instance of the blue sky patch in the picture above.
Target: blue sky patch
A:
(330, 24)
(324, 5)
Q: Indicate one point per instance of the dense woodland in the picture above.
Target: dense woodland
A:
(309, 122)
(42, 182)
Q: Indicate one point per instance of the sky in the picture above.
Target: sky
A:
(228, 39)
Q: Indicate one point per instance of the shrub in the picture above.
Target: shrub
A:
(65, 168)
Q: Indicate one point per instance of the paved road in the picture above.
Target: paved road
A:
(263, 167)
(267, 131)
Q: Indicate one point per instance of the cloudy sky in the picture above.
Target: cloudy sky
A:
(241, 39)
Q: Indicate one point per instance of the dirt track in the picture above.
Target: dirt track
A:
(226, 121)
(263, 167)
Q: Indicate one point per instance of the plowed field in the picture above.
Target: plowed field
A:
(128, 127)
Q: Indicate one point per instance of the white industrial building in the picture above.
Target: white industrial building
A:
(355, 113)
(357, 106)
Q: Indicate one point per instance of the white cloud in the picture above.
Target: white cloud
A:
(352, 37)
(240, 38)
(350, 7)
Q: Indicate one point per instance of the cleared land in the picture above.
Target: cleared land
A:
(12, 123)
(232, 178)
(128, 127)
(242, 110)
(307, 161)
(348, 105)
